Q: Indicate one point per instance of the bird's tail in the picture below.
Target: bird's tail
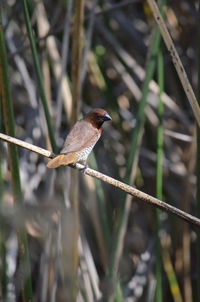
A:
(62, 160)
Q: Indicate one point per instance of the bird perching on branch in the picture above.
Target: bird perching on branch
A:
(81, 139)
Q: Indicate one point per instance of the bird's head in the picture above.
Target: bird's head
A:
(97, 117)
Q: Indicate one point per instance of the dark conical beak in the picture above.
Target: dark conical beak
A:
(107, 117)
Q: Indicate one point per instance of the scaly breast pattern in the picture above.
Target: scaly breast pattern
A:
(83, 154)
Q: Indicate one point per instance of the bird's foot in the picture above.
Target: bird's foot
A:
(84, 168)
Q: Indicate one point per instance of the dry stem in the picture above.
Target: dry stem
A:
(114, 182)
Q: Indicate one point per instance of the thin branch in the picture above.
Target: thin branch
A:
(114, 182)
(26, 145)
(176, 60)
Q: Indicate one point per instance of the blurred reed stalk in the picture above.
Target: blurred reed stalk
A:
(159, 175)
(64, 59)
(38, 71)
(24, 269)
(198, 164)
(162, 243)
(102, 219)
(3, 264)
(77, 47)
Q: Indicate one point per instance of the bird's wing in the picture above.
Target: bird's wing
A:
(81, 136)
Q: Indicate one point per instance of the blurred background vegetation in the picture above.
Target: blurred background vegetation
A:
(65, 236)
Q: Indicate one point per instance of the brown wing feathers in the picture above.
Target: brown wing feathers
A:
(62, 160)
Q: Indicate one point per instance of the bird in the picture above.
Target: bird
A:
(81, 139)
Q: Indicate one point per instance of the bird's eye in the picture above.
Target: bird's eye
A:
(99, 116)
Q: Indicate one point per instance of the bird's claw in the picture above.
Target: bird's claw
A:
(85, 166)
(84, 169)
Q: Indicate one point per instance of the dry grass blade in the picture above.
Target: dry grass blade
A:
(55, 60)
(176, 60)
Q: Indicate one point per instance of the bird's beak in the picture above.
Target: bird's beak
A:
(107, 117)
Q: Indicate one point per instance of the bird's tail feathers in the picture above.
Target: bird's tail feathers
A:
(62, 160)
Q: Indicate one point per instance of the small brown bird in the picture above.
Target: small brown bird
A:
(81, 139)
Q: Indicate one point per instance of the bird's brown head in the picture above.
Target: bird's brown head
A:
(97, 117)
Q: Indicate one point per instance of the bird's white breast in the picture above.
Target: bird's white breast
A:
(85, 152)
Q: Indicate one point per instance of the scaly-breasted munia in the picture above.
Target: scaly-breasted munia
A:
(81, 139)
